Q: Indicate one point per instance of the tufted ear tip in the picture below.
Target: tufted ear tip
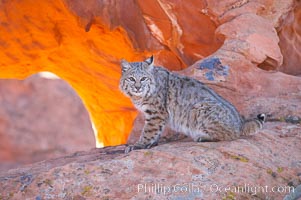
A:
(125, 65)
(150, 60)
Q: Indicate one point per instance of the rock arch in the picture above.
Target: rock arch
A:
(83, 42)
(41, 117)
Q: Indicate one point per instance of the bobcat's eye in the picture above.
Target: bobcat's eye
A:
(132, 79)
(143, 79)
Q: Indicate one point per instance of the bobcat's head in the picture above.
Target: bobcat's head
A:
(137, 78)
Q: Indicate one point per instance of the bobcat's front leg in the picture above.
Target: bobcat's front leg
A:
(154, 126)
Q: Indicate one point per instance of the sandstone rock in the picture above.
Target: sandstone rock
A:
(47, 36)
(290, 42)
(269, 160)
(251, 42)
(82, 42)
(41, 118)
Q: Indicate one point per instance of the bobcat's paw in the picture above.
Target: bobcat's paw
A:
(136, 146)
(205, 139)
(130, 148)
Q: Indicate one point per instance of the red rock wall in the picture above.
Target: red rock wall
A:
(83, 42)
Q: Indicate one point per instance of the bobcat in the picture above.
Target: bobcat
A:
(184, 103)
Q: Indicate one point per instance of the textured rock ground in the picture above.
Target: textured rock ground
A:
(265, 166)
(41, 118)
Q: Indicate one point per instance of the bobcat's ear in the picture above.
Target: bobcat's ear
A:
(150, 61)
(125, 65)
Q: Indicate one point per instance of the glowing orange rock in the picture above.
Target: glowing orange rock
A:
(45, 36)
(83, 43)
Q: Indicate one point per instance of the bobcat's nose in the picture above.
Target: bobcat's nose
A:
(138, 89)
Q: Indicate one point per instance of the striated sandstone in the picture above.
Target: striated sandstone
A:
(82, 42)
(248, 51)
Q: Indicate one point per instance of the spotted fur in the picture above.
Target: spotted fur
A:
(184, 103)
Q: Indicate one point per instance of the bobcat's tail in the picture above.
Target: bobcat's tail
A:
(253, 125)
